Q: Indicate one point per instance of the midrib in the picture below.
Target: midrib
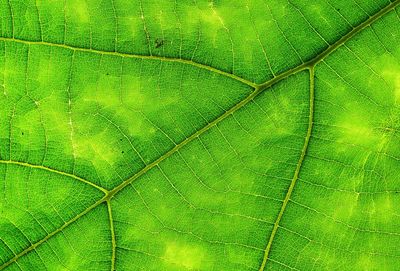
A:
(258, 89)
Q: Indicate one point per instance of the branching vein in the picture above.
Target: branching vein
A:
(296, 173)
(258, 89)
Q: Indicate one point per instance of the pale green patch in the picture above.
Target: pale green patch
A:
(139, 126)
(95, 147)
(78, 10)
(199, 135)
(366, 262)
(391, 74)
(210, 17)
(106, 96)
(184, 255)
(383, 209)
(358, 128)
(350, 204)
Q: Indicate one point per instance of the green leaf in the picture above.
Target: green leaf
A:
(199, 135)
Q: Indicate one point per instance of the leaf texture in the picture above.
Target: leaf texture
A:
(199, 135)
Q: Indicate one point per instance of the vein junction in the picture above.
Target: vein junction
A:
(258, 88)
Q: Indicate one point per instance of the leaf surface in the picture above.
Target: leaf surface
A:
(196, 135)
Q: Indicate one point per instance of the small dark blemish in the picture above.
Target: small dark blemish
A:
(22, 133)
(159, 42)
(122, 152)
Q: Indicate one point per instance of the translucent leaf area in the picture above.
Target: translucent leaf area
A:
(199, 135)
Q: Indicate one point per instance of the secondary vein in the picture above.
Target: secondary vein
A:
(24, 164)
(138, 56)
(258, 89)
(296, 173)
(112, 233)
(311, 66)
(155, 163)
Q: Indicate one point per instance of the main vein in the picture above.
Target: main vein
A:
(155, 163)
(258, 89)
(315, 60)
(48, 236)
(353, 32)
(296, 173)
(138, 56)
